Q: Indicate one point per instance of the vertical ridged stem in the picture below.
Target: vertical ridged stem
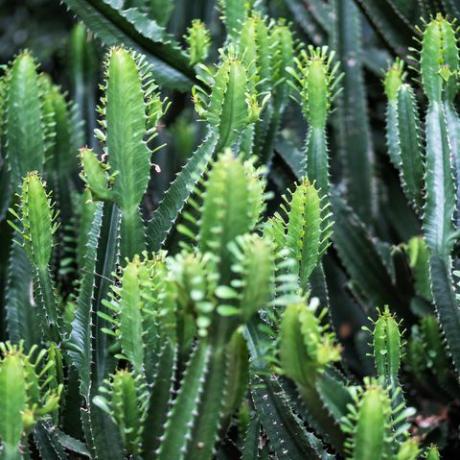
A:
(317, 159)
(354, 130)
(453, 128)
(184, 411)
(47, 299)
(440, 192)
(206, 426)
(132, 234)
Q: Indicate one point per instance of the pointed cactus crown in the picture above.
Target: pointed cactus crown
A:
(198, 40)
(317, 79)
(37, 220)
(394, 78)
(439, 59)
(229, 203)
(233, 102)
(387, 345)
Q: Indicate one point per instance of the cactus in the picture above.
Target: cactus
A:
(198, 40)
(38, 225)
(403, 133)
(30, 391)
(317, 81)
(291, 293)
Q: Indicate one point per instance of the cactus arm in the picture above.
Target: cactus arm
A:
(129, 156)
(440, 195)
(403, 134)
(232, 105)
(37, 220)
(80, 341)
(411, 157)
(446, 305)
(108, 254)
(24, 126)
(160, 399)
(371, 425)
(233, 15)
(61, 161)
(317, 158)
(233, 113)
(204, 434)
(46, 299)
(105, 439)
(23, 133)
(12, 404)
(316, 78)
(174, 200)
(198, 40)
(130, 316)
(184, 411)
(123, 398)
(354, 130)
(21, 317)
(301, 367)
(453, 129)
(306, 348)
(439, 58)
(232, 204)
(305, 226)
(95, 174)
(387, 349)
(282, 58)
(237, 374)
(438, 62)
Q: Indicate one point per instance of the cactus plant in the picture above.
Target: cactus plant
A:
(233, 255)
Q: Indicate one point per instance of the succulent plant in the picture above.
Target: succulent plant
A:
(232, 255)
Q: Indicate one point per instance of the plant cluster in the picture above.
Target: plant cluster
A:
(263, 294)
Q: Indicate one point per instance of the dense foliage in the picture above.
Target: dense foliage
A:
(231, 231)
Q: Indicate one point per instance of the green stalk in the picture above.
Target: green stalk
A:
(47, 301)
(184, 412)
(204, 435)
